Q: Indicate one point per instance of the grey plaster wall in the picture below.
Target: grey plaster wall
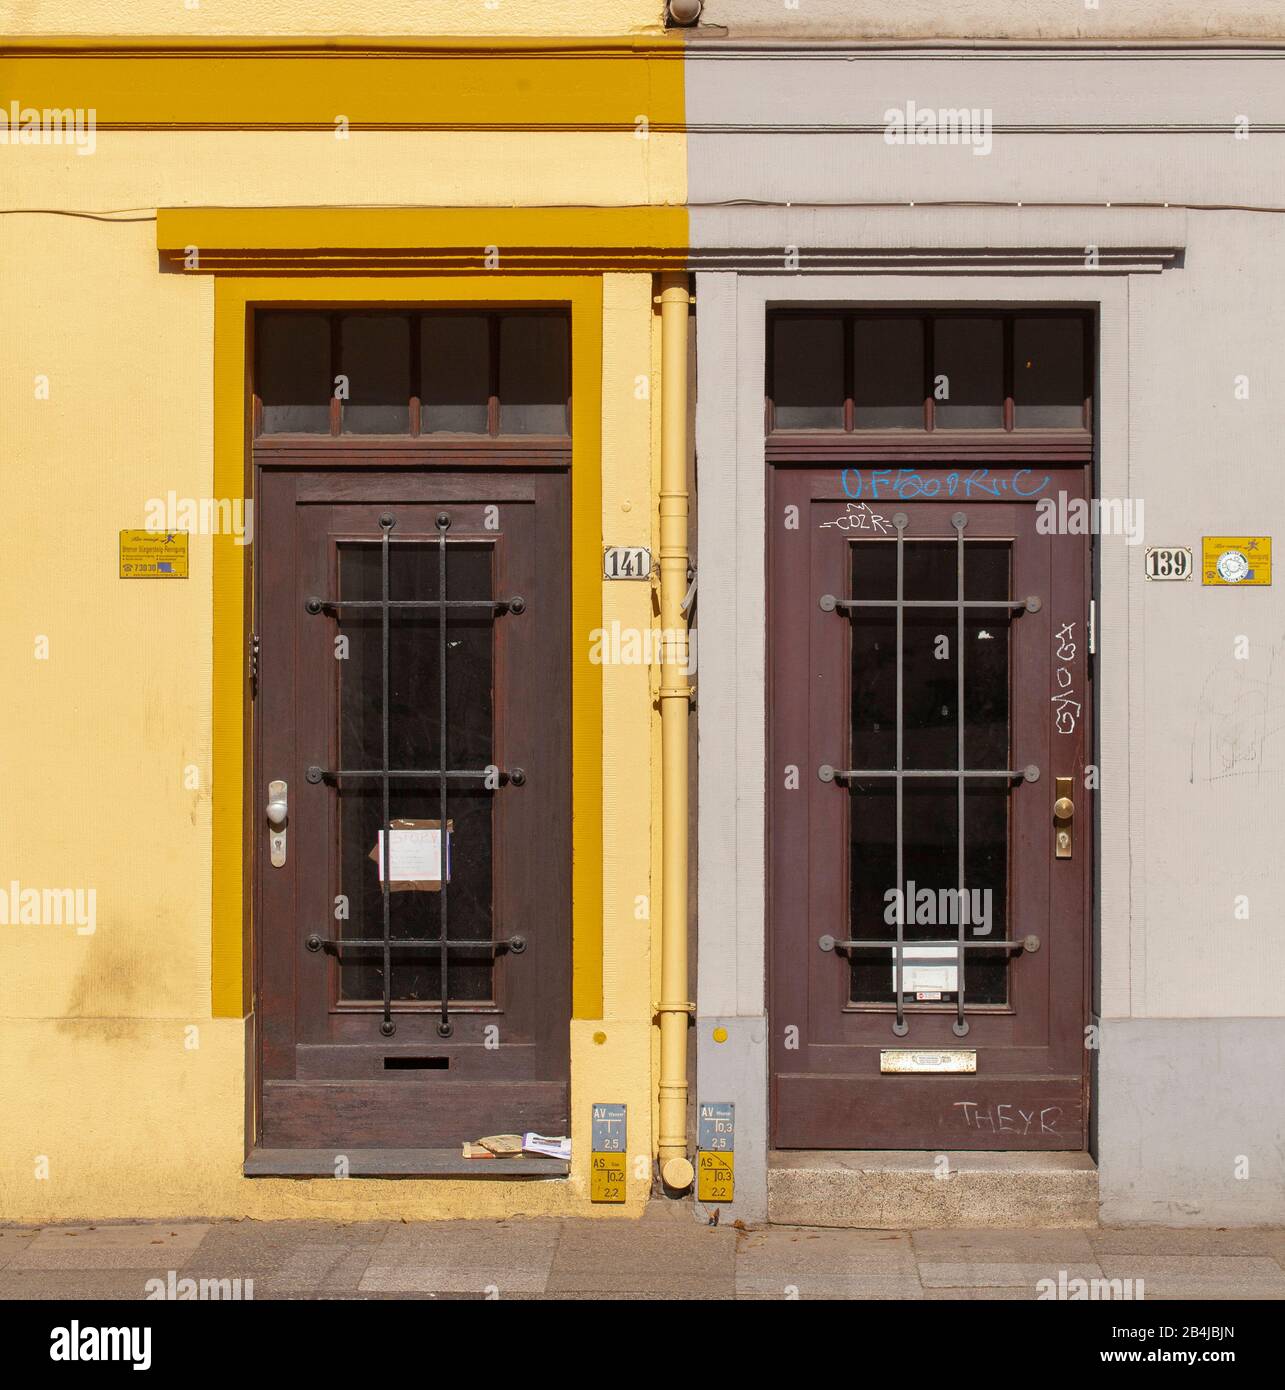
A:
(974, 19)
(1192, 1121)
(1191, 679)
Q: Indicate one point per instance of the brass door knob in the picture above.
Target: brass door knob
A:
(1063, 808)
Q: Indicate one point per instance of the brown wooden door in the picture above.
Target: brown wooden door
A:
(882, 687)
(413, 674)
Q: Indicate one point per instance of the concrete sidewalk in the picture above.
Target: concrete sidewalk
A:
(665, 1255)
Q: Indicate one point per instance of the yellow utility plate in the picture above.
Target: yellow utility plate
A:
(715, 1176)
(607, 1177)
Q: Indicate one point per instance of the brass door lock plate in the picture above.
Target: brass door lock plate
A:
(1063, 818)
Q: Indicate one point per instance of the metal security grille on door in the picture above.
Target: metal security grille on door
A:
(929, 749)
(419, 957)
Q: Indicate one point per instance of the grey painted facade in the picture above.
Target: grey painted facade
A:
(1133, 154)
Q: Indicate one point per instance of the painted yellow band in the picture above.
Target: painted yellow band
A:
(220, 84)
(234, 300)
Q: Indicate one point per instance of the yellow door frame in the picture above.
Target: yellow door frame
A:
(233, 820)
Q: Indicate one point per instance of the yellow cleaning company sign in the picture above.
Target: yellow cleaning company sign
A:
(1236, 560)
(153, 554)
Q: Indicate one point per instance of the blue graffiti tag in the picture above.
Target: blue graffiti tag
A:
(907, 485)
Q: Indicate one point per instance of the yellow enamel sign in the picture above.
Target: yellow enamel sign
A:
(153, 554)
(1236, 560)
(715, 1176)
(607, 1177)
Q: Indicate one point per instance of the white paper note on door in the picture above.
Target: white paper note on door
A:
(415, 856)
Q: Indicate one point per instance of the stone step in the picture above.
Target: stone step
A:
(899, 1189)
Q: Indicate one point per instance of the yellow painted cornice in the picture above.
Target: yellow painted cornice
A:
(373, 84)
(285, 241)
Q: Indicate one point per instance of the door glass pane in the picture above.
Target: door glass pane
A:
(1048, 373)
(807, 374)
(414, 743)
(534, 367)
(888, 391)
(969, 355)
(374, 356)
(455, 373)
(293, 375)
(930, 732)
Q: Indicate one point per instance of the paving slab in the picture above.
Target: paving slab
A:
(149, 1245)
(827, 1263)
(313, 1266)
(830, 1248)
(995, 1274)
(77, 1284)
(13, 1241)
(1187, 1240)
(590, 1252)
(987, 1295)
(495, 1280)
(1200, 1276)
(999, 1246)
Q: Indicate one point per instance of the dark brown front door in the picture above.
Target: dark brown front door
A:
(927, 691)
(413, 930)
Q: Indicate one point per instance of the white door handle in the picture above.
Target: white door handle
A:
(277, 809)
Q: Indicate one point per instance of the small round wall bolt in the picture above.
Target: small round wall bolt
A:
(900, 520)
(517, 604)
(826, 603)
(518, 777)
(314, 605)
(826, 943)
(388, 1027)
(960, 1028)
(445, 1028)
(314, 775)
(388, 521)
(958, 520)
(901, 1028)
(443, 521)
(825, 773)
(599, 1039)
(313, 943)
(720, 1035)
(1031, 773)
(685, 11)
(1031, 944)
(517, 944)
(1034, 604)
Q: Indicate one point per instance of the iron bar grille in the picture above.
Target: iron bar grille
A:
(442, 775)
(901, 948)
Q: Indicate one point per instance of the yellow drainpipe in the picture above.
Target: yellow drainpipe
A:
(675, 694)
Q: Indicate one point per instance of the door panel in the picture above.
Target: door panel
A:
(928, 681)
(413, 986)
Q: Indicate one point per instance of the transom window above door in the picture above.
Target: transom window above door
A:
(471, 372)
(847, 371)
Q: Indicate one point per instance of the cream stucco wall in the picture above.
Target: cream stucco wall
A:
(121, 1094)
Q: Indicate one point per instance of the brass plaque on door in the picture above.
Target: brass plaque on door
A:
(913, 1059)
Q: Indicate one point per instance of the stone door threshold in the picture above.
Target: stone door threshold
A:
(893, 1189)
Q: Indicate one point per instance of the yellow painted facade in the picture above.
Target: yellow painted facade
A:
(124, 1066)
(466, 18)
